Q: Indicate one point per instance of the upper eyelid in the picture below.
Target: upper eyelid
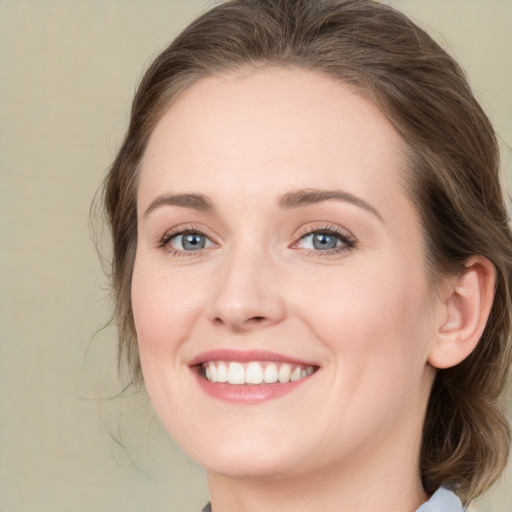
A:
(332, 229)
(180, 230)
(318, 229)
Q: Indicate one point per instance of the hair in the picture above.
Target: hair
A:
(453, 179)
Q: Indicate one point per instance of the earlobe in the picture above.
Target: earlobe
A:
(466, 304)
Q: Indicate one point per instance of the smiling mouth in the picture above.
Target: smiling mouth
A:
(254, 372)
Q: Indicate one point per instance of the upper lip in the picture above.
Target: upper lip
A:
(244, 356)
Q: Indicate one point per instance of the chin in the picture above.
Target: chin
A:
(249, 466)
(244, 456)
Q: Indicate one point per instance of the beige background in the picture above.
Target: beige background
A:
(68, 69)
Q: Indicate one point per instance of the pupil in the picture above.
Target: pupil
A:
(324, 241)
(193, 242)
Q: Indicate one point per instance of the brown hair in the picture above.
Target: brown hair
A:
(453, 180)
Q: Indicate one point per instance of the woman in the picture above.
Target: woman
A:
(312, 261)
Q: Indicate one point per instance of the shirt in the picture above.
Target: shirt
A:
(443, 500)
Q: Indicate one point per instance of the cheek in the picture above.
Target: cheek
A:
(163, 319)
(376, 327)
(163, 315)
(371, 316)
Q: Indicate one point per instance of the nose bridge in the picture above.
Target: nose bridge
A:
(247, 293)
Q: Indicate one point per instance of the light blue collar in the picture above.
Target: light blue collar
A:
(443, 500)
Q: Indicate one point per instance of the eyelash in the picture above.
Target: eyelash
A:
(348, 242)
(164, 242)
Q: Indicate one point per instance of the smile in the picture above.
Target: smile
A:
(250, 377)
(254, 372)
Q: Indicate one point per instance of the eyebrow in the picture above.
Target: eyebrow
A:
(307, 196)
(194, 201)
(290, 200)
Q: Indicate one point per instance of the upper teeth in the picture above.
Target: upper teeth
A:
(254, 372)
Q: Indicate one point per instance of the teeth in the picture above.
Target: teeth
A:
(285, 372)
(270, 375)
(213, 373)
(295, 374)
(222, 372)
(236, 373)
(254, 372)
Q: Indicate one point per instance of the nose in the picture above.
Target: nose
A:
(247, 296)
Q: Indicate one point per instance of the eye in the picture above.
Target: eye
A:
(320, 241)
(186, 241)
(189, 241)
(327, 240)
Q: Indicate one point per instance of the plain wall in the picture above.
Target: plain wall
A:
(68, 69)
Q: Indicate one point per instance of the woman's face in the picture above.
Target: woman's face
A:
(278, 249)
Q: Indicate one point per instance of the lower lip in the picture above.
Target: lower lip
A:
(248, 393)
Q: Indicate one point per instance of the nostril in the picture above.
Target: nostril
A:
(256, 320)
(242, 325)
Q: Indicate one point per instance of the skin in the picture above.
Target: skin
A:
(348, 438)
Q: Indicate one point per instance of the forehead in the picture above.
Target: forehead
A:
(269, 131)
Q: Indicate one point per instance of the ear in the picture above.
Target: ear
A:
(466, 302)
